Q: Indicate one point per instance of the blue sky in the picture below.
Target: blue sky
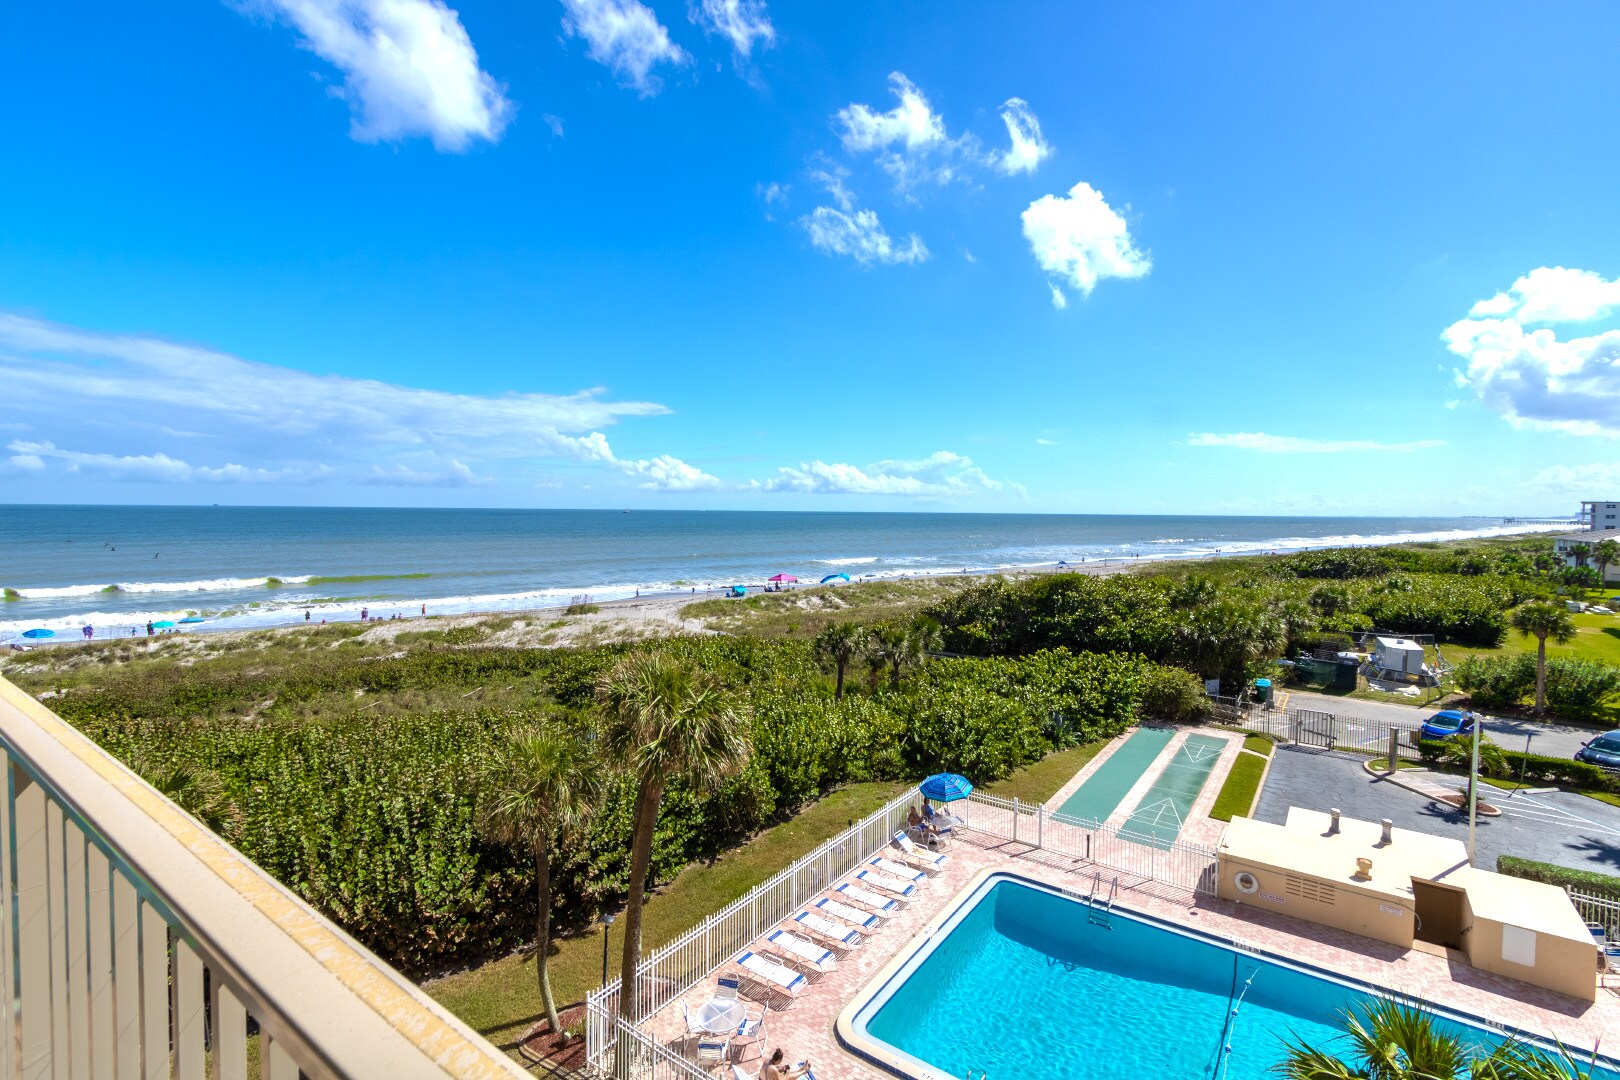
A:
(732, 253)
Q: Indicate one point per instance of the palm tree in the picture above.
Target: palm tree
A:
(889, 645)
(543, 785)
(1542, 621)
(1605, 554)
(1580, 553)
(1393, 1041)
(666, 720)
(837, 645)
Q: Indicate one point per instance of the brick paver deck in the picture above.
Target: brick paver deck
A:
(804, 1028)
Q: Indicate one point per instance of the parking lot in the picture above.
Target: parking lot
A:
(1555, 827)
(1549, 738)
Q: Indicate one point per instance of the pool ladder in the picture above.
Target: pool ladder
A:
(1101, 916)
(977, 1074)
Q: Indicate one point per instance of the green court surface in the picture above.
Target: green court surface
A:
(1158, 817)
(1106, 788)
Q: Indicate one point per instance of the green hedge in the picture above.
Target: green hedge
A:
(374, 820)
(1537, 768)
(1586, 881)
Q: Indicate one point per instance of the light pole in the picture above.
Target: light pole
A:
(607, 931)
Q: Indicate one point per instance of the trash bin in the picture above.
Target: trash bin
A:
(1262, 691)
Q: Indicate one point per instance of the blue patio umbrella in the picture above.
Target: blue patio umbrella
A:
(835, 577)
(39, 633)
(946, 787)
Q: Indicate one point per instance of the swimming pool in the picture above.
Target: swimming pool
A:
(1017, 982)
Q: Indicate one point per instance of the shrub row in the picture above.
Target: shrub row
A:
(1577, 689)
(376, 821)
(1586, 881)
(1502, 764)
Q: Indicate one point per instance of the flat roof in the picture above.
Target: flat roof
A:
(1305, 846)
(1534, 905)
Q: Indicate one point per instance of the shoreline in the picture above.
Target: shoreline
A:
(110, 626)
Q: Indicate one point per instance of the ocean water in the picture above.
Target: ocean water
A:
(240, 567)
(1024, 985)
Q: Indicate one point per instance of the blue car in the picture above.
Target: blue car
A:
(1443, 725)
(1603, 750)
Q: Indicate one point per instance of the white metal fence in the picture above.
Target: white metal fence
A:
(1111, 850)
(1602, 910)
(675, 968)
(632, 1054)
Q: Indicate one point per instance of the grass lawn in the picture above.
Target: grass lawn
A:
(1597, 637)
(1242, 785)
(502, 998)
(1259, 744)
(1038, 782)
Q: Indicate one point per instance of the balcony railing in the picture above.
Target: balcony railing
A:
(136, 944)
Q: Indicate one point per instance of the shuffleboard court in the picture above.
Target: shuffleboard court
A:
(1157, 819)
(1106, 788)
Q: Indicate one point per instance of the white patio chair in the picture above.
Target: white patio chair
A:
(771, 974)
(882, 905)
(694, 1030)
(725, 988)
(827, 930)
(796, 950)
(713, 1051)
(927, 860)
(898, 870)
(753, 1029)
(886, 882)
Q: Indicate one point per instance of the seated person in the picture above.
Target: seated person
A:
(775, 1070)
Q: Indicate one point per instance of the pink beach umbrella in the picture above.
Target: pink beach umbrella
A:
(779, 578)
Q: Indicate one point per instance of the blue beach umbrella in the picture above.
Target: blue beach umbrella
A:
(835, 577)
(946, 787)
(189, 619)
(164, 625)
(39, 633)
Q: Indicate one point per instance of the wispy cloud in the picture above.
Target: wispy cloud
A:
(943, 474)
(744, 23)
(627, 37)
(860, 236)
(1289, 444)
(272, 424)
(409, 68)
(1029, 147)
(1080, 240)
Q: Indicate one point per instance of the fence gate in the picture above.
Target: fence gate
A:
(1313, 728)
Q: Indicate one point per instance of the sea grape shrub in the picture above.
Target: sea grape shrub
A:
(1578, 689)
(1172, 694)
(1496, 682)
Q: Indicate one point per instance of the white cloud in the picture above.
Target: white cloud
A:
(940, 475)
(742, 22)
(1289, 444)
(626, 36)
(22, 463)
(832, 176)
(1532, 377)
(293, 426)
(860, 236)
(1554, 294)
(1029, 147)
(912, 123)
(1059, 300)
(665, 473)
(408, 67)
(1044, 442)
(554, 123)
(1584, 480)
(1081, 239)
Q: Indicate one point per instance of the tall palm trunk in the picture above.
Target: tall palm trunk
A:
(542, 930)
(838, 692)
(647, 800)
(1541, 673)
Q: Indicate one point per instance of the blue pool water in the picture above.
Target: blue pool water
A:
(1024, 986)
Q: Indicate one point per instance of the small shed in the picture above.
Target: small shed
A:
(1401, 655)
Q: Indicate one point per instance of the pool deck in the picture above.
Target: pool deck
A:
(804, 1029)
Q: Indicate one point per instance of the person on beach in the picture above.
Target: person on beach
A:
(775, 1070)
(424, 609)
(363, 612)
(306, 614)
(149, 630)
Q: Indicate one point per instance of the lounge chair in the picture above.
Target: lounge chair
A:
(861, 920)
(771, 974)
(797, 950)
(926, 860)
(739, 1073)
(886, 882)
(882, 905)
(898, 870)
(827, 930)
